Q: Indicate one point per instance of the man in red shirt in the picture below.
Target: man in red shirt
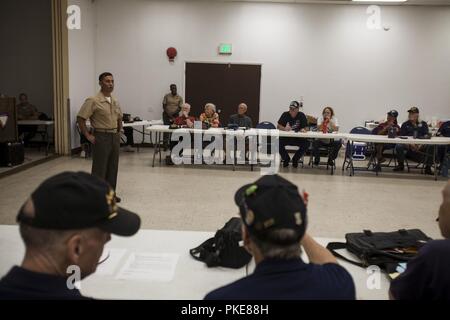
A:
(184, 119)
(383, 129)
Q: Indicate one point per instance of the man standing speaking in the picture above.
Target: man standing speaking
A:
(105, 115)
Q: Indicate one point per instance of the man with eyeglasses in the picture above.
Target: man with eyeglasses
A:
(64, 225)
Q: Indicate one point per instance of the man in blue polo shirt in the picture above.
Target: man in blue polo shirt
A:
(64, 224)
(416, 128)
(274, 226)
(427, 276)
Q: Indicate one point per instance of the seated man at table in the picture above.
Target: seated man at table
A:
(416, 128)
(26, 111)
(64, 225)
(274, 229)
(327, 123)
(292, 120)
(241, 119)
(427, 276)
(183, 120)
(128, 132)
(129, 135)
(383, 129)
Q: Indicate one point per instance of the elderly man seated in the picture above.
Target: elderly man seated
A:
(240, 118)
(427, 276)
(274, 229)
(65, 223)
(183, 120)
(27, 111)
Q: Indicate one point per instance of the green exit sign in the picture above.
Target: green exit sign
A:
(225, 48)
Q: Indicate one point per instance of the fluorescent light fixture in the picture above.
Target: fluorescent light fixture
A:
(379, 0)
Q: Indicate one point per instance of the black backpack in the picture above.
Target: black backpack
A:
(223, 250)
(384, 249)
(444, 130)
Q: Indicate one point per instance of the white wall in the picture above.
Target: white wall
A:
(26, 51)
(82, 75)
(322, 52)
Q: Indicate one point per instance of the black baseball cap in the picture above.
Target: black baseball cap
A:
(78, 200)
(413, 110)
(393, 113)
(270, 203)
(294, 104)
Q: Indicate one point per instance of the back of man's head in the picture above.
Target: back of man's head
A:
(279, 244)
(274, 216)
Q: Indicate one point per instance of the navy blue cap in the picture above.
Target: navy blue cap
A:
(78, 200)
(270, 203)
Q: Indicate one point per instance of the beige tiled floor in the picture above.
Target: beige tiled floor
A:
(201, 198)
(31, 155)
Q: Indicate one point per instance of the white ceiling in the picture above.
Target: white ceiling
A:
(409, 2)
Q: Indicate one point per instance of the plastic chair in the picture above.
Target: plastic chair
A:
(265, 125)
(356, 151)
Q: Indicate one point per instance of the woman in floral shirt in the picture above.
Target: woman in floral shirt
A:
(210, 116)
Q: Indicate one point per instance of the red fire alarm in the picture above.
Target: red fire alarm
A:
(171, 53)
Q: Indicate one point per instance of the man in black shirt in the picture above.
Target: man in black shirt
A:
(64, 224)
(292, 120)
(420, 153)
(427, 276)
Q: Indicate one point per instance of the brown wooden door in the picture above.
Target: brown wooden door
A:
(225, 85)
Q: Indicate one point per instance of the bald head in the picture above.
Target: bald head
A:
(242, 109)
(444, 212)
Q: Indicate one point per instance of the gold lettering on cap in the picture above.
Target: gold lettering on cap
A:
(250, 217)
(298, 218)
(111, 201)
(112, 215)
(269, 223)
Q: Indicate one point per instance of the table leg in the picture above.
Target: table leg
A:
(345, 156)
(330, 148)
(434, 162)
(156, 149)
(47, 140)
(352, 168)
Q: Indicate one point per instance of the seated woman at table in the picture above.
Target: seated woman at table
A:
(327, 123)
(210, 117)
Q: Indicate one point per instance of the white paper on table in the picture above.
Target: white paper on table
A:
(149, 266)
(108, 267)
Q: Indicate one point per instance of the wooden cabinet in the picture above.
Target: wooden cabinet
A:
(8, 119)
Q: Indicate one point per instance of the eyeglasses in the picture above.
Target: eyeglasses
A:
(106, 258)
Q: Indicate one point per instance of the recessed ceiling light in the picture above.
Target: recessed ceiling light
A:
(379, 0)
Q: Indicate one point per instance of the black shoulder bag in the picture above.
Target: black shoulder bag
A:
(224, 249)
